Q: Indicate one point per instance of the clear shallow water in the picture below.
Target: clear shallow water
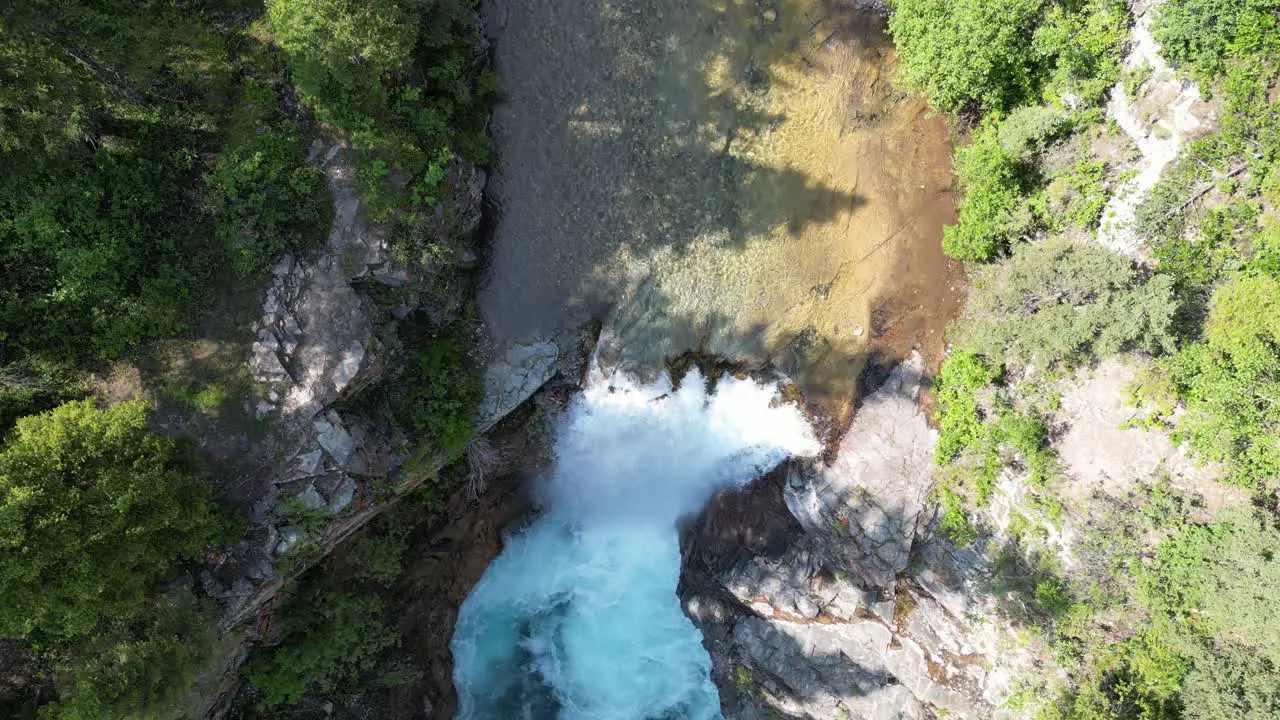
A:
(578, 617)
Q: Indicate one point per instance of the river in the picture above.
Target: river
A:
(735, 178)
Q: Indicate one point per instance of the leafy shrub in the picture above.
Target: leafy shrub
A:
(1077, 196)
(1197, 258)
(1028, 436)
(93, 508)
(397, 76)
(1003, 53)
(98, 247)
(328, 638)
(1083, 42)
(1231, 681)
(992, 212)
(1228, 382)
(438, 392)
(968, 51)
(1206, 33)
(266, 200)
(1061, 301)
(140, 668)
(378, 557)
(1217, 579)
(955, 522)
(30, 387)
(1029, 130)
(959, 419)
(1209, 648)
(96, 263)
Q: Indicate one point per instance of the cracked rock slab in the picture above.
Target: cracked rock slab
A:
(515, 376)
(875, 490)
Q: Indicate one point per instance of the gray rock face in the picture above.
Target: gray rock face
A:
(875, 489)
(314, 344)
(342, 495)
(514, 376)
(334, 438)
(829, 617)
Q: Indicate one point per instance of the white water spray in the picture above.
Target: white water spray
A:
(578, 618)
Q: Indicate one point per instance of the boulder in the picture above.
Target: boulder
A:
(513, 377)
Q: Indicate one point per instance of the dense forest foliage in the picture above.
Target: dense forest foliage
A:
(1182, 625)
(155, 164)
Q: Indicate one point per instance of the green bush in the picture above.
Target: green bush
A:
(959, 52)
(1061, 301)
(1028, 436)
(378, 557)
(959, 419)
(993, 211)
(94, 507)
(1219, 579)
(955, 523)
(328, 639)
(1207, 33)
(437, 394)
(1209, 649)
(1198, 258)
(1000, 54)
(1229, 381)
(1083, 42)
(398, 76)
(1030, 130)
(28, 388)
(266, 200)
(99, 247)
(1077, 197)
(140, 668)
(1231, 681)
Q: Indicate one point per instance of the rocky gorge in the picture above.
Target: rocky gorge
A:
(640, 359)
(781, 218)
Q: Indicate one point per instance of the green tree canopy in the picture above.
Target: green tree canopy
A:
(1002, 53)
(1206, 34)
(104, 108)
(1220, 579)
(963, 51)
(1230, 381)
(140, 668)
(94, 507)
(1065, 301)
(993, 212)
(396, 75)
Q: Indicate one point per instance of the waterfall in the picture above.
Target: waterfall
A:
(578, 617)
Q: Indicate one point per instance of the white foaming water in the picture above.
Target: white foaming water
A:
(578, 618)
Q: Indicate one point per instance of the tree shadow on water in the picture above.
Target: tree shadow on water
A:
(623, 131)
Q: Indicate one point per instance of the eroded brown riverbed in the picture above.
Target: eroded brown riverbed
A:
(753, 162)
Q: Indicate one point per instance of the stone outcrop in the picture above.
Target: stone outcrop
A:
(824, 593)
(1102, 452)
(1159, 117)
(320, 339)
(514, 376)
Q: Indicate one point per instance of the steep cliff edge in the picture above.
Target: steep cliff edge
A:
(825, 591)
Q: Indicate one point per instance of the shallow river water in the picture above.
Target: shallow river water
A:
(740, 178)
